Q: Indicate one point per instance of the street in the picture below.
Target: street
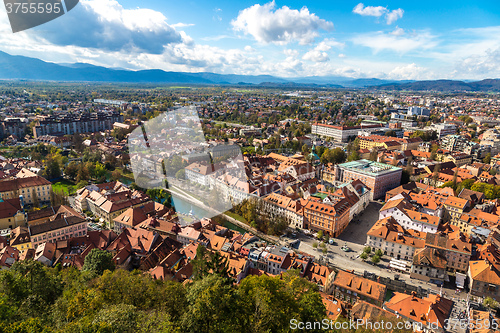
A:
(354, 236)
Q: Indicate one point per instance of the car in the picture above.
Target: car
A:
(331, 241)
(345, 248)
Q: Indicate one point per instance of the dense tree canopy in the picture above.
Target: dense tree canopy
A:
(34, 298)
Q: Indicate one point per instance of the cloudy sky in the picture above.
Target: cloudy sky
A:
(392, 39)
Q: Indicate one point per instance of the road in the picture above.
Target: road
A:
(351, 261)
(354, 237)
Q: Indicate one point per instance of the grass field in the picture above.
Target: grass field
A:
(235, 216)
(66, 186)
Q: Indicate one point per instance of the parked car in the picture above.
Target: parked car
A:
(345, 248)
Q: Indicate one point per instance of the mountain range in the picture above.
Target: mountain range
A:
(13, 67)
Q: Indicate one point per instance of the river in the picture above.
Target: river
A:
(184, 207)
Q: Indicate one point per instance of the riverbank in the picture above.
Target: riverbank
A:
(213, 212)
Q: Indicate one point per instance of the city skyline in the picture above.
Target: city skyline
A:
(391, 40)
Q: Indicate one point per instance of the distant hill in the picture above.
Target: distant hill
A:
(444, 85)
(26, 68)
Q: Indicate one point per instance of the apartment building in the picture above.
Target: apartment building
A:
(69, 124)
(342, 133)
(430, 313)
(60, 228)
(455, 249)
(285, 207)
(406, 215)
(391, 238)
(332, 218)
(32, 189)
(350, 288)
(11, 213)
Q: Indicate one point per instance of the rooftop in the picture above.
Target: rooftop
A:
(369, 168)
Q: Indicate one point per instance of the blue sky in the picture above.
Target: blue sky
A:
(390, 39)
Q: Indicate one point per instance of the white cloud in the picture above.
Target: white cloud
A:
(379, 41)
(316, 55)
(248, 48)
(486, 65)
(369, 10)
(291, 52)
(283, 25)
(398, 32)
(410, 72)
(341, 55)
(182, 25)
(378, 11)
(394, 15)
(319, 53)
(106, 25)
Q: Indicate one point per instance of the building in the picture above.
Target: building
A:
(331, 218)
(32, 189)
(69, 124)
(429, 264)
(199, 173)
(456, 250)
(20, 239)
(484, 279)
(350, 288)
(405, 214)
(379, 177)
(289, 209)
(13, 126)
(11, 213)
(60, 228)
(391, 238)
(342, 133)
(107, 201)
(418, 111)
(428, 314)
(443, 130)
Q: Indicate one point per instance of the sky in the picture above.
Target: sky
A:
(403, 40)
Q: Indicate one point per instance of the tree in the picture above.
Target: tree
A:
(181, 174)
(81, 184)
(354, 156)
(367, 250)
(375, 259)
(490, 303)
(83, 173)
(52, 169)
(30, 286)
(211, 307)
(315, 245)
(36, 201)
(379, 252)
(97, 261)
(337, 156)
(116, 175)
(363, 256)
(305, 149)
(117, 318)
(71, 170)
(435, 174)
(374, 154)
(434, 152)
(320, 234)
(78, 142)
(487, 158)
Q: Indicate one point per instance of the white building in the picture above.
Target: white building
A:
(408, 218)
